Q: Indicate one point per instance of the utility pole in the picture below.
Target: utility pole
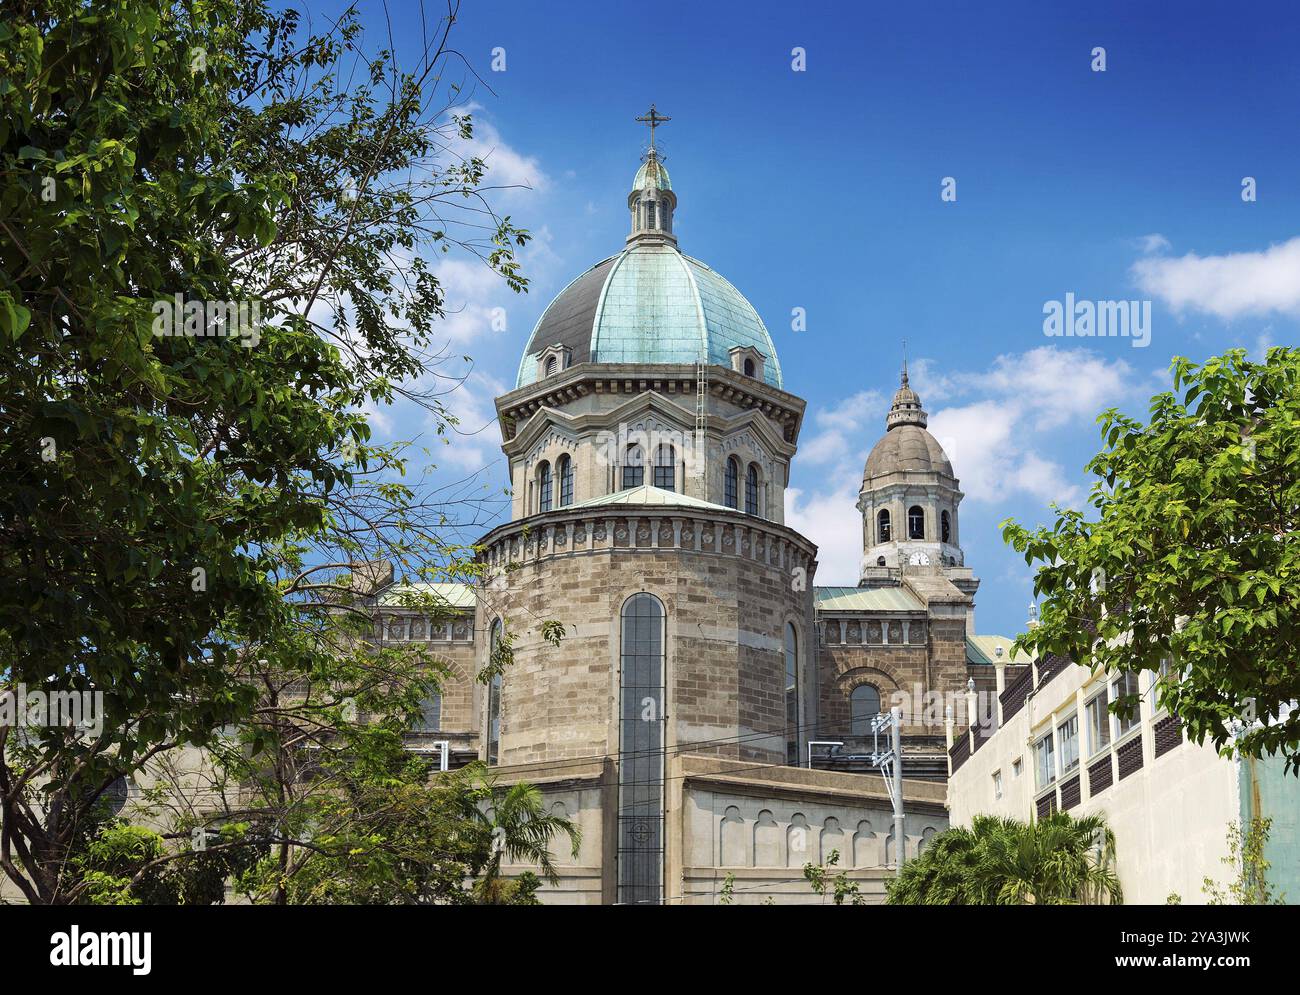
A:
(890, 764)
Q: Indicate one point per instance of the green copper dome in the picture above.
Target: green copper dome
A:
(652, 168)
(650, 304)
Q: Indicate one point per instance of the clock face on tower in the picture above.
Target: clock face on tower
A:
(919, 559)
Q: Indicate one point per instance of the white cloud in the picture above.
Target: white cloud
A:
(840, 427)
(475, 442)
(1228, 286)
(1153, 243)
(507, 167)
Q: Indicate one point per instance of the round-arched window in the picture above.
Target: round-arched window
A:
(915, 522)
(864, 705)
(884, 531)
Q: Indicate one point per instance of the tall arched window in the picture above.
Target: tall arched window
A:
(650, 215)
(883, 529)
(665, 467)
(864, 705)
(544, 486)
(641, 752)
(564, 467)
(751, 490)
(915, 522)
(550, 366)
(633, 467)
(945, 527)
(430, 719)
(749, 367)
(730, 482)
(494, 697)
(791, 695)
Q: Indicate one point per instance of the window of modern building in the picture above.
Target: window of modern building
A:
(864, 705)
(883, 529)
(997, 784)
(1045, 761)
(945, 527)
(494, 697)
(564, 467)
(751, 490)
(633, 467)
(730, 483)
(1098, 724)
(791, 694)
(665, 468)
(1017, 767)
(544, 486)
(1128, 716)
(1067, 737)
(915, 522)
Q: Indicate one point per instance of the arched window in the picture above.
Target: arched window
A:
(880, 561)
(544, 486)
(791, 695)
(430, 719)
(550, 366)
(650, 215)
(751, 490)
(749, 367)
(883, 530)
(564, 467)
(915, 522)
(641, 750)
(665, 467)
(494, 697)
(633, 467)
(730, 481)
(864, 705)
(945, 527)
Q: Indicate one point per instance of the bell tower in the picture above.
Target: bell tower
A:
(909, 499)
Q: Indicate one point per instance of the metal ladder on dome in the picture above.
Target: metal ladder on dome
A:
(701, 394)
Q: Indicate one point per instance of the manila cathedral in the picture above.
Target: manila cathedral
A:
(708, 715)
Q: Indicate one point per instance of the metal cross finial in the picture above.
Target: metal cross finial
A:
(653, 119)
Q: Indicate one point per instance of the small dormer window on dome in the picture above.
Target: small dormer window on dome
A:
(747, 361)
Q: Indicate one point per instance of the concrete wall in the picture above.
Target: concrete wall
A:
(1170, 817)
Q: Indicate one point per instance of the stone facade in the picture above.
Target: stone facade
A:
(726, 582)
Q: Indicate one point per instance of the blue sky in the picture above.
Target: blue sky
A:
(820, 189)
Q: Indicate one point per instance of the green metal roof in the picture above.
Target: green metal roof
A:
(983, 649)
(865, 599)
(645, 494)
(652, 166)
(457, 596)
(650, 304)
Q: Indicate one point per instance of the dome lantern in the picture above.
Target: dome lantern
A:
(651, 200)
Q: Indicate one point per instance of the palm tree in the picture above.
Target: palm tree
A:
(521, 829)
(1059, 860)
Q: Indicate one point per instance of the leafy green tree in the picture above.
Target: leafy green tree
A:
(170, 503)
(1059, 860)
(1191, 553)
(1250, 885)
(838, 885)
